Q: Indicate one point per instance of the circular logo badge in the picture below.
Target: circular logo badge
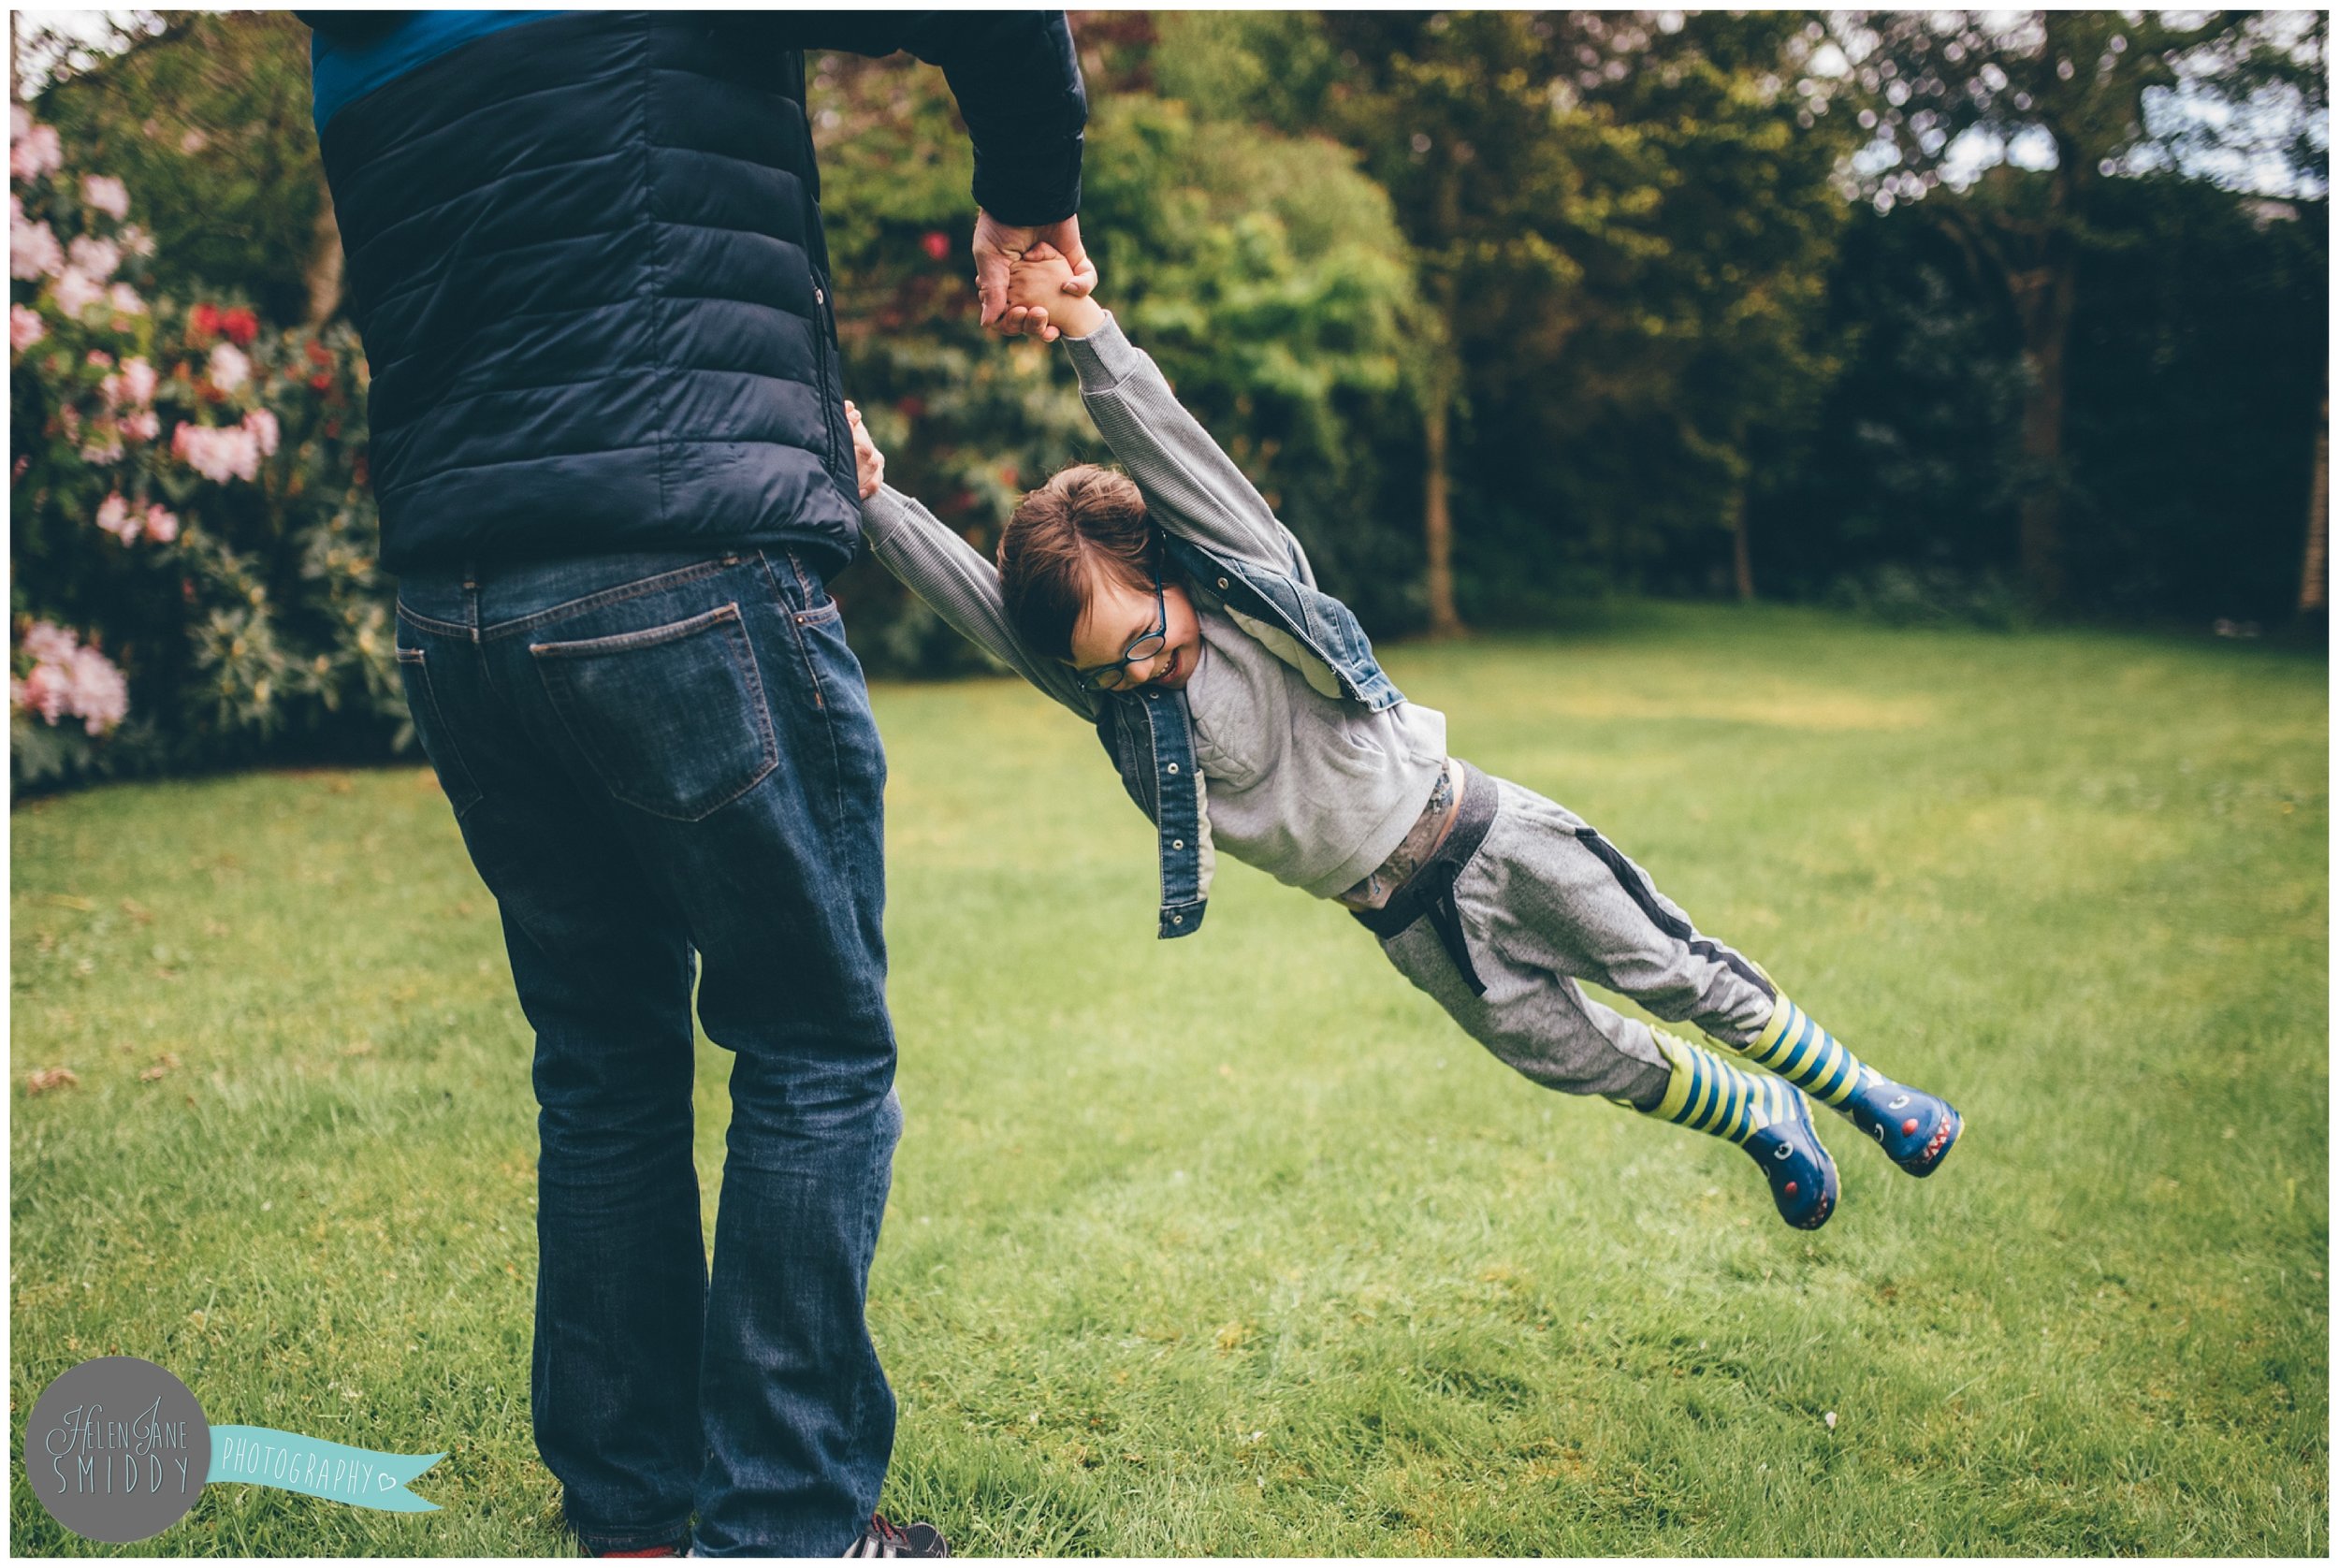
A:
(117, 1449)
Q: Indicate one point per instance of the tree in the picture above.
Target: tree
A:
(2070, 91)
(207, 115)
(1262, 271)
(1623, 224)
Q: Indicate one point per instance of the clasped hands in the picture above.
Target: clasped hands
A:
(999, 246)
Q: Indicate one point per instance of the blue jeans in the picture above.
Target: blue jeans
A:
(653, 757)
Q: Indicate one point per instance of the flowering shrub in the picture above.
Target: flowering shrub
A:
(194, 540)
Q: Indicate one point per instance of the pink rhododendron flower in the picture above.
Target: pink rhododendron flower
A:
(123, 298)
(262, 424)
(36, 153)
(68, 679)
(34, 251)
(44, 691)
(107, 194)
(228, 367)
(137, 378)
(24, 328)
(49, 642)
(113, 516)
(20, 122)
(97, 257)
(110, 388)
(77, 292)
(98, 693)
(218, 455)
(105, 449)
(162, 525)
(100, 358)
(145, 425)
(135, 240)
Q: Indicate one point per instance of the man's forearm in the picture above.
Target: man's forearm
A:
(1017, 79)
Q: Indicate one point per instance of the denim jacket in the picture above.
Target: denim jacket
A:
(1233, 552)
(1149, 734)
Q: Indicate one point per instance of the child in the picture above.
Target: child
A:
(1243, 708)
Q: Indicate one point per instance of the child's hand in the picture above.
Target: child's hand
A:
(1037, 283)
(867, 461)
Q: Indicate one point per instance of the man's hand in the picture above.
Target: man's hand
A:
(997, 246)
(867, 461)
(1041, 283)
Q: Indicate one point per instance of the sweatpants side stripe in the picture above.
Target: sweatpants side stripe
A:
(1679, 930)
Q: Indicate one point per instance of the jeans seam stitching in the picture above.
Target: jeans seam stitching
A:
(617, 595)
(431, 694)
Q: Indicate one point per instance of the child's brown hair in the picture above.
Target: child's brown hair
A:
(1084, 520)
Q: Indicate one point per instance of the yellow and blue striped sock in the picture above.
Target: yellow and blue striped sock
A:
(1794, 1046)
(1761, 1115)
(1709, 1095)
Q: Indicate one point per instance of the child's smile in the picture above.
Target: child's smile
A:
(1118, 617)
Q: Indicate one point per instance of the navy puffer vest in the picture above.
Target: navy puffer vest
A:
(586, 257)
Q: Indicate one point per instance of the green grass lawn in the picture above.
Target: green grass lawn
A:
(1235, 1244)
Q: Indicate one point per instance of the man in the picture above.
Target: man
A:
(613, 472)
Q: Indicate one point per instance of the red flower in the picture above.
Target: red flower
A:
(202, 321)
(912, 408)
(318, 354)
(321, 380)
(332, 429)
(937, 244)
(240, 324)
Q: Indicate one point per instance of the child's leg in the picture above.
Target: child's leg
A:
(1542, 1025)
(1579, 906)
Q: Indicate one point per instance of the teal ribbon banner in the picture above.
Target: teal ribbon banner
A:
(268, 1458)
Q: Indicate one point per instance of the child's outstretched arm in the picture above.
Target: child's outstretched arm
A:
(950, 574)
(1191, 486)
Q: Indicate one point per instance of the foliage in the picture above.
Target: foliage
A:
(2196, 365)
(208, 120)
(1625, 225)
(1619, 249)
(1941, 90)
(1261, 270)
(188, 491)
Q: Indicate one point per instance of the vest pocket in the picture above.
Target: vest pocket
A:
(672, 719)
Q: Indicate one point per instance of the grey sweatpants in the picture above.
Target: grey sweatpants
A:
(1547, 902)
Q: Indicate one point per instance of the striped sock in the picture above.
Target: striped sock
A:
(1794, 1046)
(1710, 1095)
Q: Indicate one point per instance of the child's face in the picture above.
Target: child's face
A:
(1117, 614)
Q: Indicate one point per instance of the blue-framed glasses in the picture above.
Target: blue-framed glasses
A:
(1111, 678)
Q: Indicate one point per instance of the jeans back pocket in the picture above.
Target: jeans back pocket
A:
(672, 718)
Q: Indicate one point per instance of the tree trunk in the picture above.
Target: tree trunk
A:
(1741, 557)
(1437, 522)
(324, 259)
(2045, 299)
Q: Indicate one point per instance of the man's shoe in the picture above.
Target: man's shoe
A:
(1916, 1130)
(884, 1538)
